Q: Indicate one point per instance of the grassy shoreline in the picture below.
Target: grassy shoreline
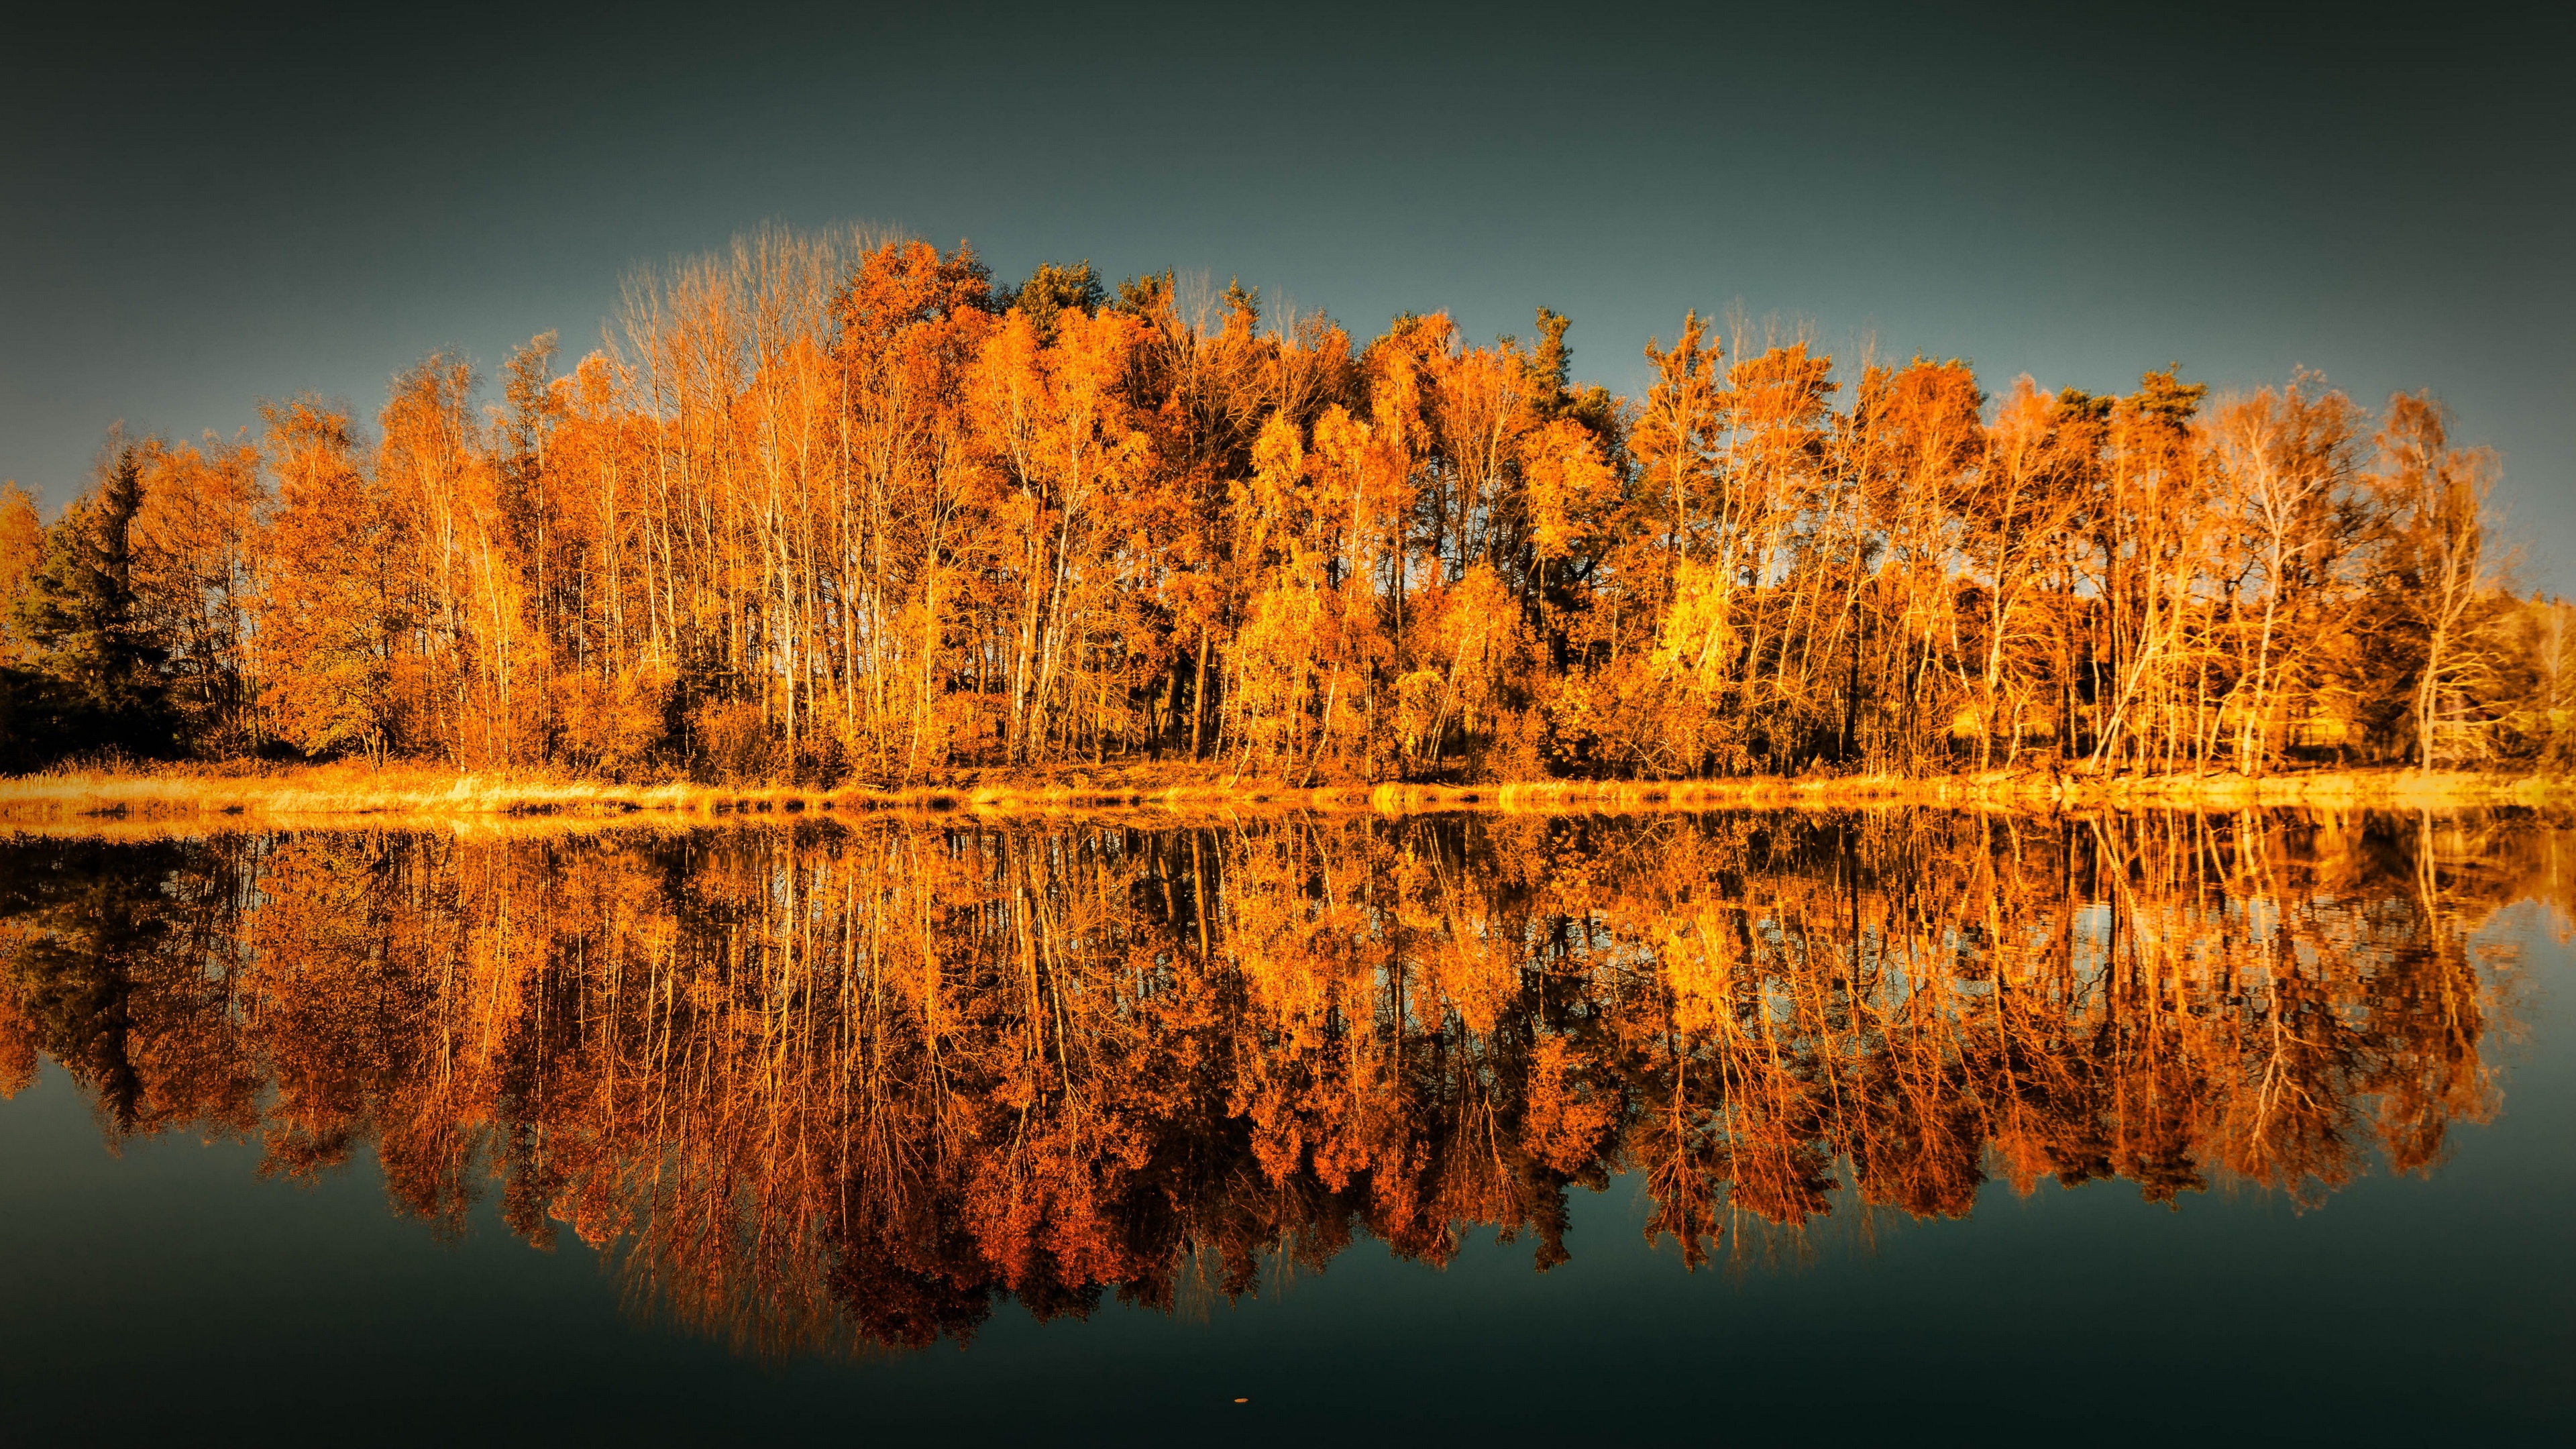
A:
(394, 794)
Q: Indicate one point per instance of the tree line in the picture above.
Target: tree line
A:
(842, 508)
(831, 1086)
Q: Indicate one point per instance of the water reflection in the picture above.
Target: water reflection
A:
(844, 1085)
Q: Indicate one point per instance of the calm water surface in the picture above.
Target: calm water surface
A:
(1732, 1128)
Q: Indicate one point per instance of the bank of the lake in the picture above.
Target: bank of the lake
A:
(307, 795)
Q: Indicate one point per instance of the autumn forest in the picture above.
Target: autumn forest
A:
(845, 509)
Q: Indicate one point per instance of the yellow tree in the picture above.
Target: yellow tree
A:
(2437, 496)
(2013, 523)
(195, 579)
(22, 547)
(2283, 461)
(1053, 412)
(328, 613)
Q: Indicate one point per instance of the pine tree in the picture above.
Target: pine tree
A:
(80, 613)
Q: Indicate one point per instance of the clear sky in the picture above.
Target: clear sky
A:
(195, 213)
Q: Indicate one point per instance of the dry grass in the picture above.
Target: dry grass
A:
(125, 801)
(321, 790)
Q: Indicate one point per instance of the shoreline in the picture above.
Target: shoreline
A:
(314, 795)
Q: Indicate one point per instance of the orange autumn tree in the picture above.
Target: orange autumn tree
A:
(1073, 528)
(22, 547)
(197, 578)
(331, 613)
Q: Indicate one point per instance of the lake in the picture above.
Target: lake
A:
(1732, 1127)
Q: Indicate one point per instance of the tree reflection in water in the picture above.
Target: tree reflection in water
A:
(838, 1085)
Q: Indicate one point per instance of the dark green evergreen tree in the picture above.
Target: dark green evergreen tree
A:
(1050, 290)
(103, 666)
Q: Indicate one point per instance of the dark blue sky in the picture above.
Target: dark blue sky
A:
(195, 213)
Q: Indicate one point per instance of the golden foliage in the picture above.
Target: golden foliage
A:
(836, 509)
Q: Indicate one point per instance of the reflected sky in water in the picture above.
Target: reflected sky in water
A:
(1150, 1122)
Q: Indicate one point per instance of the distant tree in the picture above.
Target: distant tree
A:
(194, 577)
(80, 614)
(327, 610)
(22, 547)
(2436, 498)
(1051, 290)
(26, 696)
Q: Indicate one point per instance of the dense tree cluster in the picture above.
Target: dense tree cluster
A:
(841, 509)
(864, 1083)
